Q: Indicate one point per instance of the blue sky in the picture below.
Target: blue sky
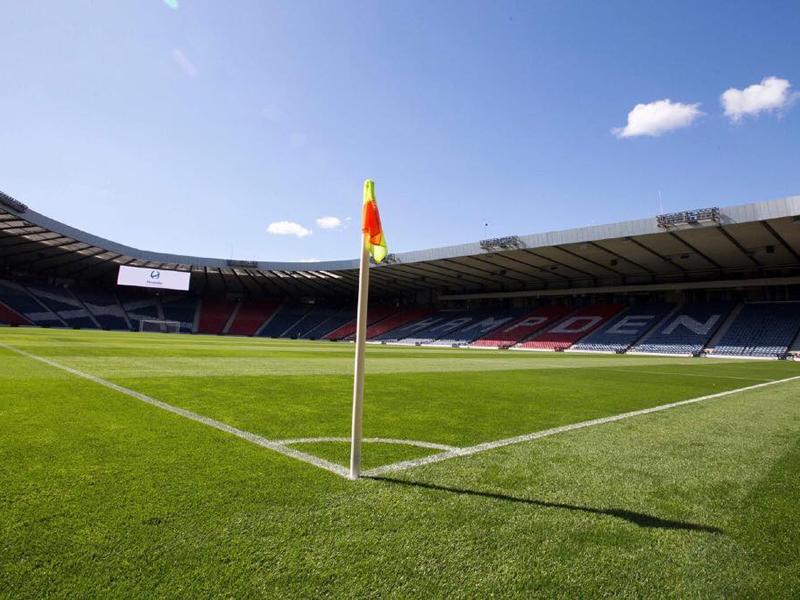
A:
(190, 130)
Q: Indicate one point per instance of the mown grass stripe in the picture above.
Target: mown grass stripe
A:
(188, 414)
(468, 451)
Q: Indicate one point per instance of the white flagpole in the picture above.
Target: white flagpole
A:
(361, 342)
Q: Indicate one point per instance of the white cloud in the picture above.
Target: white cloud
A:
(658, 117)
(769, 95)
(329, 222)
(184, 64)
(288, 228)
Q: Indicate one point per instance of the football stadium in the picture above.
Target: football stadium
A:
(590, 411)
(431, 300)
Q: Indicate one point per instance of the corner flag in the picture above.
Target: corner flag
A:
(371, 224)
(373, 242)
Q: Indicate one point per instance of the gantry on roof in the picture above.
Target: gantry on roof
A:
(759, 240)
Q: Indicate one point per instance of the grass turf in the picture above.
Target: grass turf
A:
(101, 495)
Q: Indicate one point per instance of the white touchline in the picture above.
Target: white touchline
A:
(188, 414)
(282, 446)
(458, 452)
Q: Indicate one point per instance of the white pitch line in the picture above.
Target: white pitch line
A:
(188, 414)
(458, 452)
(378, 440)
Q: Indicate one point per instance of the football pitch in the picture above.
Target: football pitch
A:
(152, 465)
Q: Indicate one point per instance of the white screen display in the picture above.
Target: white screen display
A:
(154, 278)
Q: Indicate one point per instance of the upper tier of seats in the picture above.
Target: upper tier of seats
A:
(621, 332)
(572, 328)
(516, 331)
(687, 331)
(761, 330)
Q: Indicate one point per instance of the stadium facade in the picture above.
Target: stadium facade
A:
(721, 282)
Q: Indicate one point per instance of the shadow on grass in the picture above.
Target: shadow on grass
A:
(640, 519)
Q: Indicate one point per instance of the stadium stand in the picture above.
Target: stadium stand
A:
(181, 309)
(62, 303)
(574, 327)
(446, 321)
(9, 316)
(687, 331)
(214, 315)
(334, 321)
(140, 306)
(410, 329)
(251, 315)
(284, 319)
(104, 307)
(387, 326)
(761, 330)
(374, 315)
(308, 323)
(479, 325)
(625, 329)
(513, 333)
(16, 297)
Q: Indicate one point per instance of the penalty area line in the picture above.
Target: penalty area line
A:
(470, 450)
(193, 416)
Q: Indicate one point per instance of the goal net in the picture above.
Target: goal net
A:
(156, 326)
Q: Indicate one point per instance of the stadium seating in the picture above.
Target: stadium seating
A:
(139, 307)
(335, 321)
(405, 332)
(761, 330)
(60, 301)
(104, 307)
(214, 315)
(388, 325)
(374, 315)
(17, 298)
(251, 315)
(621, 332)
(574, 327)
(11, 317)
(182, 309)
(479, 324)
(318, 322)
(446, 322)
(687, 331)
(525, 326)
(284, 319)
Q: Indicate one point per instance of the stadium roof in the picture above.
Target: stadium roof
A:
(752, 241)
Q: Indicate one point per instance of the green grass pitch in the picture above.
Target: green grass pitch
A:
(103, 495)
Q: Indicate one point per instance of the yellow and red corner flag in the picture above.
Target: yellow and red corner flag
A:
(371, 226)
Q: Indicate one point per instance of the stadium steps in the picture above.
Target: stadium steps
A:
(72, 293)
(9, 316)
(505, 335)
(55, 316)
(375, 315)
(396, 321)
(125, 314)
(714, 341)
(657, 327)
(251, 317)
(231, 318)
(214, 315)
(63, 304)
(554, 341)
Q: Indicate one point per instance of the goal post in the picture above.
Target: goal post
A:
(159, 326)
